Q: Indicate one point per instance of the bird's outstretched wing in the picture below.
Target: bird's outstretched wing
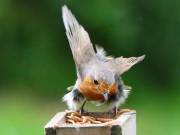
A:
(120, 65)
(80, 44)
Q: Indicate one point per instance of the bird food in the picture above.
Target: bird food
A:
(73, 117)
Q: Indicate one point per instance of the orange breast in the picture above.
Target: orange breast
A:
(94, 92)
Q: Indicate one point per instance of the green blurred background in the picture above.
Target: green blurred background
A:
(36, 64)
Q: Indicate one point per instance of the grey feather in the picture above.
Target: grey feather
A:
(78, 38)
(101, 54)
(121, 65)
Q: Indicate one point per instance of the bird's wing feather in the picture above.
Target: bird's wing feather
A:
(120, 65)
(80, 44)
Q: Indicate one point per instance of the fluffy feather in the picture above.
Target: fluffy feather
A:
(101, 54)
(73, 104)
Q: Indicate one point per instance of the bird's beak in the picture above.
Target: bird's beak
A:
(105, 95)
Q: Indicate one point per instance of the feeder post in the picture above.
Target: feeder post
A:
(125, 125)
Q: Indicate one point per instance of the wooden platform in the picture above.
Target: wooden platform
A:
(125, 124)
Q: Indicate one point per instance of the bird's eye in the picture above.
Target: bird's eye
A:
(96, 82)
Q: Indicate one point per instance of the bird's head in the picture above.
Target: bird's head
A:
(98, 85)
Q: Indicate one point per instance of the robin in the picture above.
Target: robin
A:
(98, 75)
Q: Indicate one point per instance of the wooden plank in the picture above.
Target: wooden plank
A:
(51, 126)
(125, 124)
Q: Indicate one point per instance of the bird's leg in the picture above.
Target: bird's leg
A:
(82, 108)
(115, 111)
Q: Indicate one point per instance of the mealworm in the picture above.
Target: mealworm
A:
(70, 121)
(104, 119)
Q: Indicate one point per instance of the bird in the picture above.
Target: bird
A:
(98, 75)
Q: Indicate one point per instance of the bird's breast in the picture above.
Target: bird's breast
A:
(95, 92)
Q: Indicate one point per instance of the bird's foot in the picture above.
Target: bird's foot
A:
(115, 111)
(82, 111)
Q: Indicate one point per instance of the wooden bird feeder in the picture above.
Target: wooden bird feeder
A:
(124, 124)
